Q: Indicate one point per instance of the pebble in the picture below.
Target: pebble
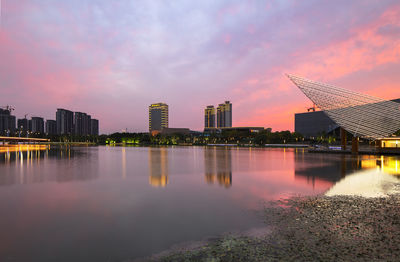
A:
(338, 228)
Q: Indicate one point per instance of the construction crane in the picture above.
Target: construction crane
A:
(311, 109)
(7, 107)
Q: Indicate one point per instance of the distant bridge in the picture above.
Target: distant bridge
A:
(4, 139)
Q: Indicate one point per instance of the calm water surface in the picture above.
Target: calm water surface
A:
(117, 203)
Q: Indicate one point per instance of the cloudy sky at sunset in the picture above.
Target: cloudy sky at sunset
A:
(113, 58)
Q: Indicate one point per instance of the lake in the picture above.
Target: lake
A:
(118, 203)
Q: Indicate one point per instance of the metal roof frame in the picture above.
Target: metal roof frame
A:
(360, 114)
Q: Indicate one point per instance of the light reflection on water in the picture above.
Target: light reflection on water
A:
(23, 164)
(158, 166)
(127, 202)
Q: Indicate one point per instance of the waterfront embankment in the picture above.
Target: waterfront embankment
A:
(322, 228)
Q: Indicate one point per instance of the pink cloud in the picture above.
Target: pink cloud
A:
(112, 60)
(227, 39)
(364, 51)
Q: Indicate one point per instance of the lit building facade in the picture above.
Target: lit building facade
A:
(209, 117)
(224, 115)
(389, 142)
(37, 125)
(158, 117)
(65, 122)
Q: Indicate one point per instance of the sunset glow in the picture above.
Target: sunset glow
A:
(114, 58)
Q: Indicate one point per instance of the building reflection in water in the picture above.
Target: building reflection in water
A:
(158, 166)
(218, 166)
(123, 166)
(17, 164)
(386, 164)
(334, 168)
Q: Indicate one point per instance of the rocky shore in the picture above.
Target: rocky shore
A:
(337, 228)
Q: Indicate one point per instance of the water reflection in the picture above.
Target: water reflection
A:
(366, 183)
(22, 153)
(123, 166)
(23, 148)
(218, 166)
(158, 166)
(372, 177)
(109, 207)
(389, 165)
(21, 164)
(329, 168)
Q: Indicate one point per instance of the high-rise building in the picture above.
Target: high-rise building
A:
(82, 122)
(51, 127)
(94, 127)
(38, 125)
(88, 125)
(65, 122)
(224, 115)
(23, 125)
(7, 122)
(158, 117)
(209, 117)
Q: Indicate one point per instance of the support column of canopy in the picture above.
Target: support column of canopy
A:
(343, 138)
(354, 145)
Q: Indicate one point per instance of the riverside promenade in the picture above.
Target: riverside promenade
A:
(10, 139)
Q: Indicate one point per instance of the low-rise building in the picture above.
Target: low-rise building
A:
(172, 131)
(250, 129)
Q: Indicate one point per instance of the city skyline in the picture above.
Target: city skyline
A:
(66, 122)
(114, 59)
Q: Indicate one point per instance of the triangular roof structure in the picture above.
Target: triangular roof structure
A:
(362, 115)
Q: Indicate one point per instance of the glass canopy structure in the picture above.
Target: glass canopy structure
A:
(362, 115)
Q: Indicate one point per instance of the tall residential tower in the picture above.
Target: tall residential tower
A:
(94, 127)
(82, 124)
(224, 115)
(65, 122)
(37, 125)
(7, 121)
(209, 117)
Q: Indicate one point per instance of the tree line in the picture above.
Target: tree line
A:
(198, 138)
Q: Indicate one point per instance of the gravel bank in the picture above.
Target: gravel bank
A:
(338, 228)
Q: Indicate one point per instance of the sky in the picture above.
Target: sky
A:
(112, 59)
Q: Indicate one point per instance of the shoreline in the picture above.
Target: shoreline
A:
(307, 148)
(318, 228)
